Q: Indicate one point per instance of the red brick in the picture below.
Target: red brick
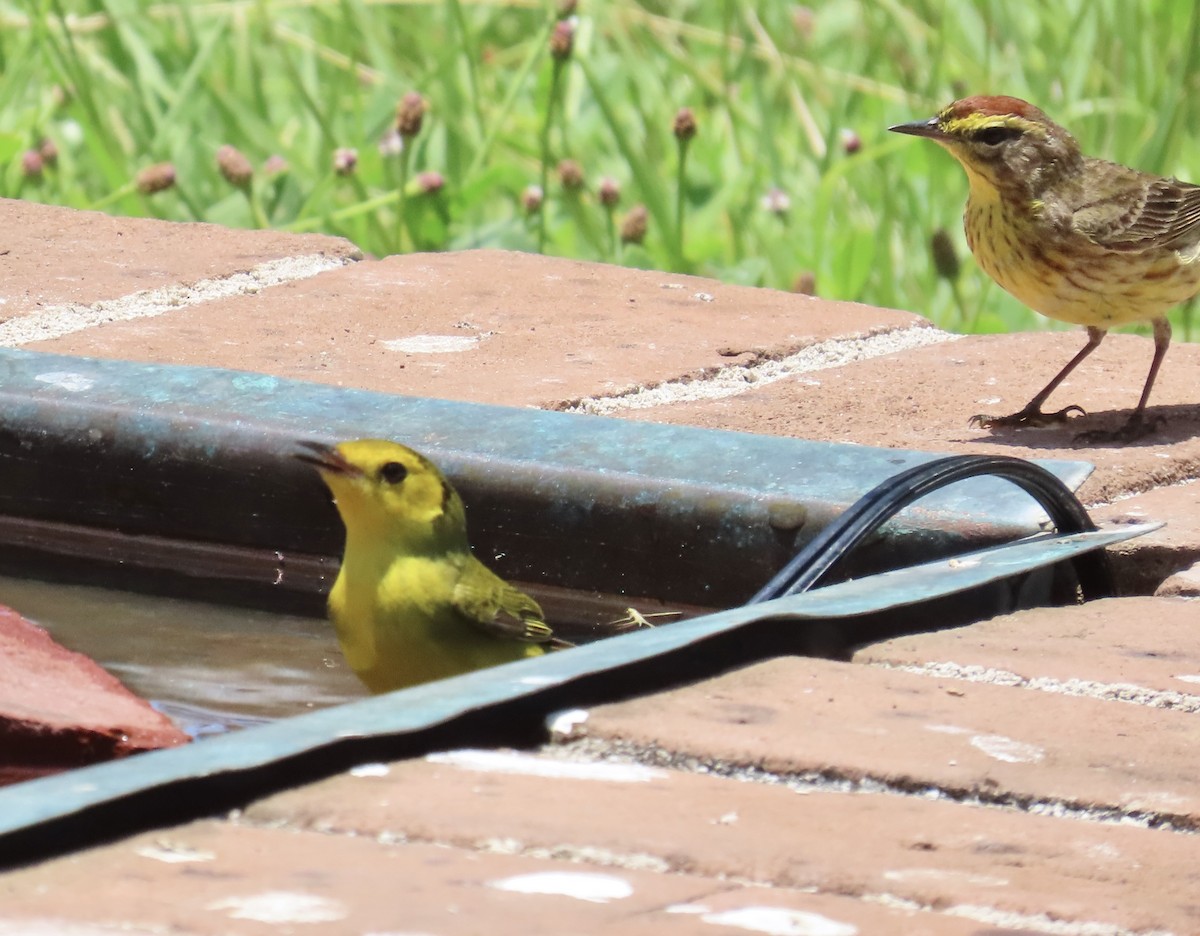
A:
(528, 330)
(58, 709)
(925, 397)
(750, 827)
(1086, 649)
(55, 256)
(214, 878)
(918, 731)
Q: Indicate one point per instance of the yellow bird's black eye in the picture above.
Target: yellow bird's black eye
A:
(393, 472)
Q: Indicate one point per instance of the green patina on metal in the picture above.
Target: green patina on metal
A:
(694, 515)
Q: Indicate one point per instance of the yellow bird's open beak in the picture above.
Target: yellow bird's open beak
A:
(326, 458)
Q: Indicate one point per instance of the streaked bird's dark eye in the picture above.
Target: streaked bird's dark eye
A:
(393, 472)
(994, 136)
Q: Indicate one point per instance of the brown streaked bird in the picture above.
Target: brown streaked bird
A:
(1075, 238)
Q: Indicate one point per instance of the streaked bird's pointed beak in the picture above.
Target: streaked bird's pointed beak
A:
(923, 128)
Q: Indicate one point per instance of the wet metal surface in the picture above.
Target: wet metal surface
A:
(693, 515)
(541, 685)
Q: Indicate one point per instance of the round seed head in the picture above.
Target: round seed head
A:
(156, 178)
(685, 124)
(234, 166)
(275, 165)
(805, 283)
(804, 21)
(633, 226)
(32, 165)
(609, 192)
(532, 198)
(570, 174)
(562, 40)
(345, 160)
(410, 114)
(391, 144)
(49, 151)
(430, 183)
(777, 202)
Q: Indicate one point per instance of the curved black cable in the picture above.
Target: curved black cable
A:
(883, 502)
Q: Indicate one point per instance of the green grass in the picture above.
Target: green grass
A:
(776, 91)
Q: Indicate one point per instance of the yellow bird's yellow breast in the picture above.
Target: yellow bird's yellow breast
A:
(398, 625)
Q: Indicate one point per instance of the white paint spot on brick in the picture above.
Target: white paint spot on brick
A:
(735, 379)
(780, 921)
(173, 853)
(943, 876)
(59, 320)
(1155, 801)
(1007, 750)
(511, 762)
(432, 344)
(582, 885)
(66, 380)
(282, 907)
(1008, 921)
(947, 729)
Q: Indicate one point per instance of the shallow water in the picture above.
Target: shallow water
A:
(209, 667)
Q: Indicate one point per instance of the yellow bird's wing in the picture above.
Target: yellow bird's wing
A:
(496, 608)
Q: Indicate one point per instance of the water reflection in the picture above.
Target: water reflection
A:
(210, 668)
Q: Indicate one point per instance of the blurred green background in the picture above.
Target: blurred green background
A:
(790, 180)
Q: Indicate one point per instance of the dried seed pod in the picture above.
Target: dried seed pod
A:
(156, 178)
(234, 166)
(410, 114)
(633, 226)
(684, 126)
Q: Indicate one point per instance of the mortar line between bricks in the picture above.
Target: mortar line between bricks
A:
(57, 321)
(1011, 920)
(643, 862)
(736, 379)
(1129, 693)
(830, 780)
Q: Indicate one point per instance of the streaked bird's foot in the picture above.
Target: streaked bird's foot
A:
(1136, 427)
(1028, 418)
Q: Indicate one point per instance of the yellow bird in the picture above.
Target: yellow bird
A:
(411, 602)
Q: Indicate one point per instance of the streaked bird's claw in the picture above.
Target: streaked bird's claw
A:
(1026, 418)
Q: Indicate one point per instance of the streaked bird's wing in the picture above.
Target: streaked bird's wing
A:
(1139, 212)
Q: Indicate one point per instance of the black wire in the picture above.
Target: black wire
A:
(882, 503)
